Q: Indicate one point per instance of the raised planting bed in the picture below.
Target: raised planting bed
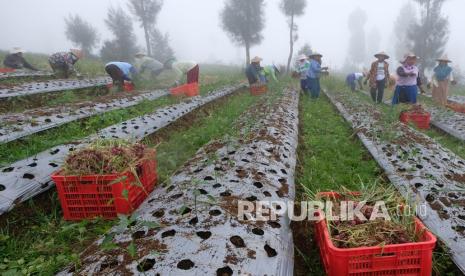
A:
(16, 125)
(32, 88)
(105, 179)
(16, 74)
(201, 232)
(400, 245)
(26, 178)
(426, 173)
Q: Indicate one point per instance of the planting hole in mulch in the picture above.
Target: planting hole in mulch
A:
(225, 194)
(186, 211)
(169, 233)
(7, 170)
(258, 184)
(270, 251)
(258, 231)
(274, 224)
(28, 176)
(185, 264)
(215, 212)
(237, 241)
(159, 213)
(138, 235)
(224, 271)
(251, 198)
(194, 221)
(145, 265)
(109, 264)
(204, 235)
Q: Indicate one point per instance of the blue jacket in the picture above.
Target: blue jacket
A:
(253, 73)
(315, 70)
(128, 69)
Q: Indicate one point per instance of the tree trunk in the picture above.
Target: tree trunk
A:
(146, 31)
(291, 44)
(247, 54)
(147, 40)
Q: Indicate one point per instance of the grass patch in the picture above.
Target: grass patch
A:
(329, 156)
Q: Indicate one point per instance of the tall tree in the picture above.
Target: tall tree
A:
(292, 9)
(305, 50)
(123, 46)
(430, 34)
(161, 48)
(244, 21)
(407, 17)
(357, 42)
(146, 12)
(373, 43)
(81, 33)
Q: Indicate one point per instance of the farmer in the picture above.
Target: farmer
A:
(407, 82)
(120, 72)
(147, 65)
(63, 63)
(302, 69)
(270, 72)
(254, 72)
(314, 73)
(441, 79)
(15, 60)
(353, 79)
(176, 70)
(379, 77)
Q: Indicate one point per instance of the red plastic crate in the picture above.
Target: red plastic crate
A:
(421, 120)
(87, 197)
(127, 86)
(397, 259)
(6, 70)
(189, 90)
(257, 90)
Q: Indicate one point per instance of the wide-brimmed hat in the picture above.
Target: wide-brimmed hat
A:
(382, 54)
(16, 50)
(302, 57)
(315, 54)
(77, 52)
(409, 55)
(444, 58)
(256, 59)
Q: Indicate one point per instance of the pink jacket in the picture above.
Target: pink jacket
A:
(404, 78)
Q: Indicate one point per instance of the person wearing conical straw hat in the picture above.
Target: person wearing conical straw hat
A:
(254, 71)
(15, 60)
(407, 82)
(314, 73)
(378, 77)
(441, 78)
(63, 63)
(302, 68)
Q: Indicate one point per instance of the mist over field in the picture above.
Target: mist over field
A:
(195, 31)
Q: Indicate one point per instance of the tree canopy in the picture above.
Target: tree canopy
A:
(81, 33)
(243, 21)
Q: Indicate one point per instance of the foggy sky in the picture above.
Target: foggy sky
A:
(195, 32)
